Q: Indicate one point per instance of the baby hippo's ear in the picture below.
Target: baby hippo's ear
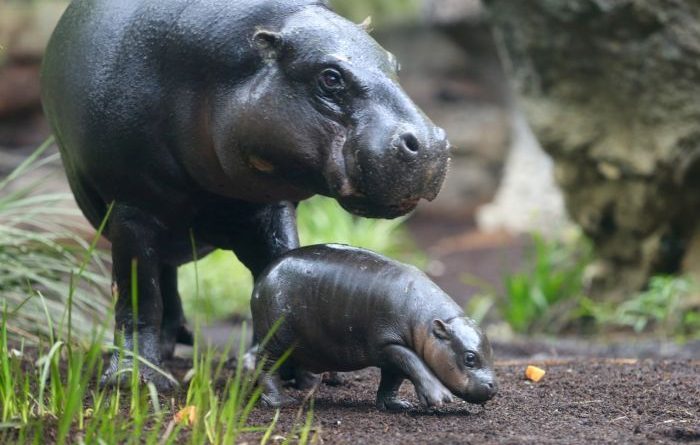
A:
(441, 329)
(269, 43)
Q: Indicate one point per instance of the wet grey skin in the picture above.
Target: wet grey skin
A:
(343, 309)
(215, 118)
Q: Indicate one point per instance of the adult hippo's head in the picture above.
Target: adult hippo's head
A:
(326, 113)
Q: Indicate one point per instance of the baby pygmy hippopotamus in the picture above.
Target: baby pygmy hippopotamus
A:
(344, 309)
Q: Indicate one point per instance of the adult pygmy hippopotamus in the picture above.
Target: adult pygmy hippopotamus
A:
(343, 309)
(211, 119)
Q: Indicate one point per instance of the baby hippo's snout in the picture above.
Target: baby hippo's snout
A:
(482, 389)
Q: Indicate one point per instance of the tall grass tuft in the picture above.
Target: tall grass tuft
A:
(41, 248)
(51, 291)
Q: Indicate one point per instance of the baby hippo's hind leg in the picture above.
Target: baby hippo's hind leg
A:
(333, 378)
(304, 379)
(273, 391)
(387, 395)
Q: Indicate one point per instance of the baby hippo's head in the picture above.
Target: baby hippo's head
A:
(460, 356)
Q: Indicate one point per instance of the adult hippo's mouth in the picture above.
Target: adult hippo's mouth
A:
(377, 189)
(359, 203)
(361, 207)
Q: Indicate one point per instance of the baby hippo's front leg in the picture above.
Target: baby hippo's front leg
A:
(430, 391)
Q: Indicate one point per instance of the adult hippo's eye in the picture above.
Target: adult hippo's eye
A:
(470, 359)
(331, 81)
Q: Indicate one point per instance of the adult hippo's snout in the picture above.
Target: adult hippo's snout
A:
(392, 167)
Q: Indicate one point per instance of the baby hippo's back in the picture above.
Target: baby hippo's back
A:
(341, 305)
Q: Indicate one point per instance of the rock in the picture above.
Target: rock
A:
(612, 90)
(19, 89)
(452, 11)
(25, 27)
(528, 200)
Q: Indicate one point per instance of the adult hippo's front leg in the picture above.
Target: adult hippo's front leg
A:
(135, 237)
(263, 235)
(173, 328)
(270, 233)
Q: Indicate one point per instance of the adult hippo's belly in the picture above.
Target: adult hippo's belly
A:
(212, 118)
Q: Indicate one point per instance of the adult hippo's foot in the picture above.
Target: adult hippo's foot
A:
(121, 366)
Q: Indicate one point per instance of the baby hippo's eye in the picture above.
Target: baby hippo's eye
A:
(331, 80)
(470, 359)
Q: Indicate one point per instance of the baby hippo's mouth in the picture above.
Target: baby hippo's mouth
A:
(480, 392)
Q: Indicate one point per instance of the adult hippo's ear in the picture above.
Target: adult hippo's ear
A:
(269, 43)
(441, 329)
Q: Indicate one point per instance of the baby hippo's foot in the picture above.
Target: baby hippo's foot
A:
(305, 380)
(433, 395)
(277, 400)
(273, 395)
(392, 403)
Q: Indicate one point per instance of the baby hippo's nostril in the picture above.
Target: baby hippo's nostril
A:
(409, 144)
(492, 388)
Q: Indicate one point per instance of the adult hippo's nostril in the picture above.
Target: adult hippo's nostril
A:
(408, 145)
(440, 134)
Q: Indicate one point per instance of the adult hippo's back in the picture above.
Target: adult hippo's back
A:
(213, 117)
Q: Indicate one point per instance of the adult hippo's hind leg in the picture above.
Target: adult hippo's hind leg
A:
(173, 328)
(134, 235)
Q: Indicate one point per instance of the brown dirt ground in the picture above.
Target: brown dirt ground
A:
(578, 401)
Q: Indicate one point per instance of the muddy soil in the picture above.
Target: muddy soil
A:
(578, 401)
